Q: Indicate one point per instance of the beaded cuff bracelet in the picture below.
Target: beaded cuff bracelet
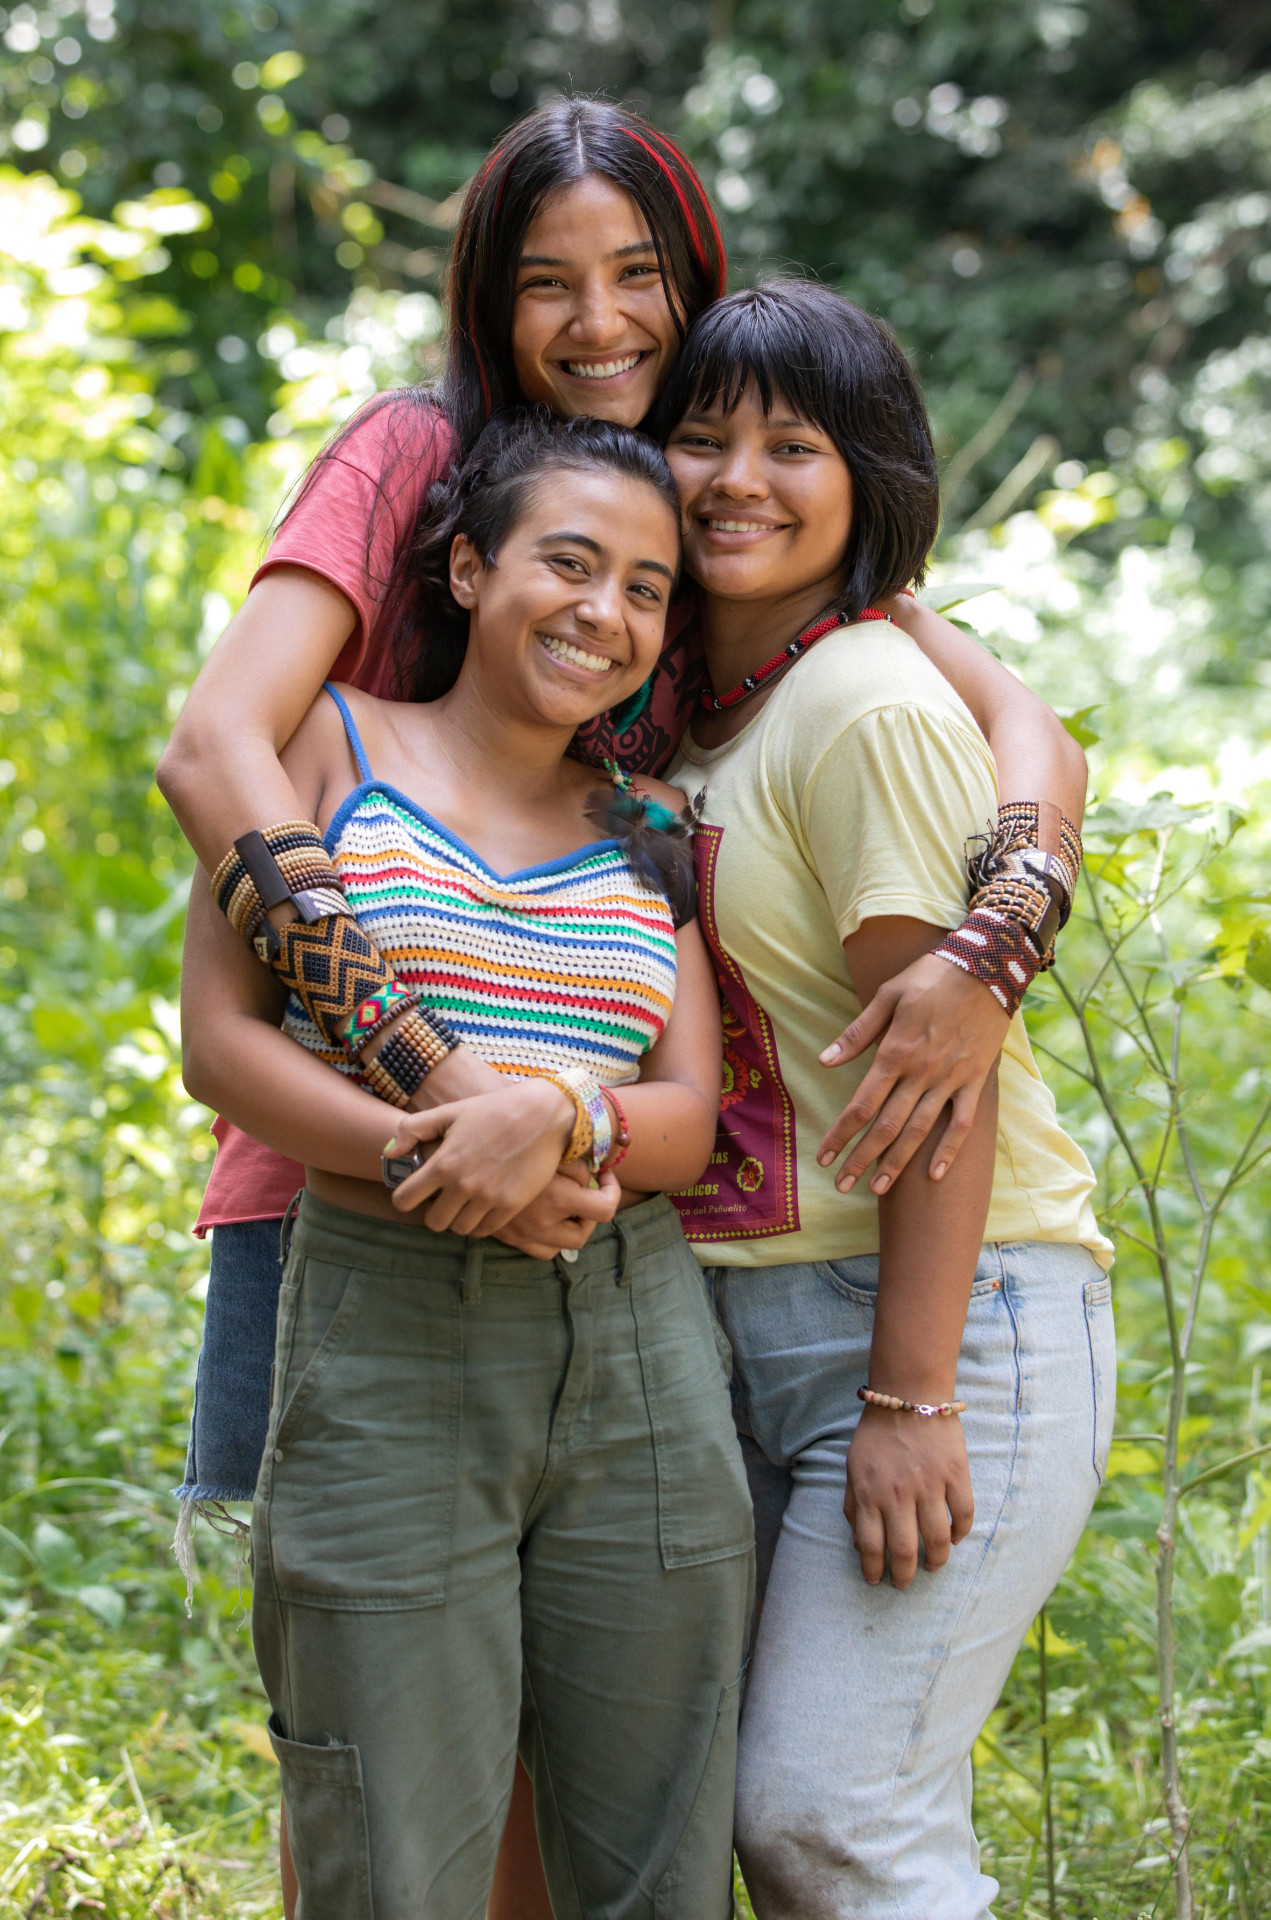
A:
(995, 951)
(261, 870)
(1023, 878)
(418, 1043)
(592, 1137)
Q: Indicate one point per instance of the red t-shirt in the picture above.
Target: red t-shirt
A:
(351, 519)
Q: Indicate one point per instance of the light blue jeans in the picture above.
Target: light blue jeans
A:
(863, 1704)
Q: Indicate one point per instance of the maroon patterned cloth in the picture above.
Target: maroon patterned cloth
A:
(643, 735)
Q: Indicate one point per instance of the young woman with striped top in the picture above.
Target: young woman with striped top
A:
(501, 1498)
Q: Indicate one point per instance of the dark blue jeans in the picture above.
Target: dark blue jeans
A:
(231, 1393)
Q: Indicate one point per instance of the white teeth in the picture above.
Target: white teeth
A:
(561, 650)
(740, 526)
(602, 369)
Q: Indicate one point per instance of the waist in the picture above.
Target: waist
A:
(374, 1202)
(395, 1247)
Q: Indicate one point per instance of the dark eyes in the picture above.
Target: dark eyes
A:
(572, 564)
(704, 443)
(642, 269)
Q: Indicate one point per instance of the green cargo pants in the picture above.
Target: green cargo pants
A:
(502, 1501)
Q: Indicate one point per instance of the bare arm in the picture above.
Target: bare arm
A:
(1037, 758)
(220, 772)
(938, 1031)
(907, 1476)
(237, 1061)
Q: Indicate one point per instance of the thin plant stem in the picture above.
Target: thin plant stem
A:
(1047, 1795)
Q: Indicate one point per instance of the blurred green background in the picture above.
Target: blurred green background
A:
(221, 227)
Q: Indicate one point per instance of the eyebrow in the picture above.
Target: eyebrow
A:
(594, 546)
(619, 253)
(809, 425)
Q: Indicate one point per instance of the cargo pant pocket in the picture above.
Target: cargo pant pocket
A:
(357, 1493)
(704, 1510)
(326, 1827)
(698, 1883)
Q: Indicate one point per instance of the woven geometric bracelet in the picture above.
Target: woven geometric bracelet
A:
(340, 977)
(893, 1405)
(378, 1011)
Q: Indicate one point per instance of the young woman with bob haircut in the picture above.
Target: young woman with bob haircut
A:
(501, 1498)
(585, 248)
(923, 1379)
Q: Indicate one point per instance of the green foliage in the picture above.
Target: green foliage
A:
(1083, 276)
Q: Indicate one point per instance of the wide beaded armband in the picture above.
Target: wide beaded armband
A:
(1023, 880)
(341, 978)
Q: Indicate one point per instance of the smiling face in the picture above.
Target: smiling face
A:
(767, 501)
(568, 615)
(591, 329)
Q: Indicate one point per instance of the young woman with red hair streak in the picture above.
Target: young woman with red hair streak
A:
(585, 249)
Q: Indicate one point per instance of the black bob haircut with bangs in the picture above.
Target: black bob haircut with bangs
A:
(840, 370)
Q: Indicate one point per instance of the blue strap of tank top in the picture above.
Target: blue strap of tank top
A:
(355, 738)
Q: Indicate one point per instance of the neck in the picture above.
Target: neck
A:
(510, 758)
(740, 635)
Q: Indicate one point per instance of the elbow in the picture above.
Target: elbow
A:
(182, 771)
(197, 1078)
(1076, 768)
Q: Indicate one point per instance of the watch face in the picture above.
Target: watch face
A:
(397, 1167)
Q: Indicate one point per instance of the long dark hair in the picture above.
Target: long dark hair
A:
(841, 370)
(483, 498)
(554, 147)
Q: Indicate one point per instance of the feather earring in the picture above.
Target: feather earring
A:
(658, 844)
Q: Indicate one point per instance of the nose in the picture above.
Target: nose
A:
(598, 321)
(739, 475)
(600, 607)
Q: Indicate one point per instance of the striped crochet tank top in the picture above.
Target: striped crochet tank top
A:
(571, 963)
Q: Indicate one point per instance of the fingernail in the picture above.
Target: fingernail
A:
(881, 1184)
(825, 1159)
(938, 1173)
(846, 1184)
(831, 1054)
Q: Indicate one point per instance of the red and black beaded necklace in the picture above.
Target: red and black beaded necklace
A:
(720, 702)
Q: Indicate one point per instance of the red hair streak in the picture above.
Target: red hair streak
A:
(687, 211)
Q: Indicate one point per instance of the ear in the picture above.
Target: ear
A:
(465, 571)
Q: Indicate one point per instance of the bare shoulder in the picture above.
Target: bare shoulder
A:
(666, 796)
(318, 756)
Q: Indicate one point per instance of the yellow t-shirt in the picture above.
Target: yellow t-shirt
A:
(851, 794)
